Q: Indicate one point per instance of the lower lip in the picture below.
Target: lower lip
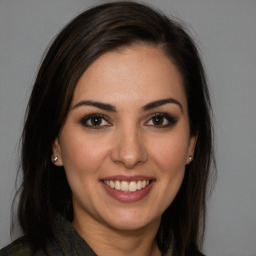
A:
(128, 196)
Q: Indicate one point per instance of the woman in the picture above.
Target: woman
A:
(117, 143)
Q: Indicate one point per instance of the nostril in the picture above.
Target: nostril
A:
(128, 149)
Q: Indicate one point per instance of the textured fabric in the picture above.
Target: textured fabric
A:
(66, 242)
(170, 251)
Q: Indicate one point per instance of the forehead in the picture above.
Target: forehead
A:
(136, 74)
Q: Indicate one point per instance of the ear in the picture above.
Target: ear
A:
(191, 148)
(56, 153)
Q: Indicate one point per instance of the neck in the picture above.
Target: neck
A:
(111, 241)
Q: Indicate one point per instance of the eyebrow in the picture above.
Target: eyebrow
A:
(112, 108)
(162, 102)
(96, 104)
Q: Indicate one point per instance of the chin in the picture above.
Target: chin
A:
(131, 221)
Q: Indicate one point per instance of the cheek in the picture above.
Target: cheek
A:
(169, 156)
(82, 155)
(81, 160)
(170, 153)
(172, 161)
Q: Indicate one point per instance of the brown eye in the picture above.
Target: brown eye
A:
(158, 120)
(95, 121)
(161, 120)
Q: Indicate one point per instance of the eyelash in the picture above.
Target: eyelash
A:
(166, 118)
(84, 121)
(170, 120)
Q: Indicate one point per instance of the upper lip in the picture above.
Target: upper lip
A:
(127, 178)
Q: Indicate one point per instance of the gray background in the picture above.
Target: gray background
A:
(226, 34)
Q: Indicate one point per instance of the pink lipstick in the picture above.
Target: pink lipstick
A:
(128, 189)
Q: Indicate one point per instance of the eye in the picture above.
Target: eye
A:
(95, 121)
(161, 120)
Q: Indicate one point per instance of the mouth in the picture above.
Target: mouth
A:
(127, 186)
(128, 189)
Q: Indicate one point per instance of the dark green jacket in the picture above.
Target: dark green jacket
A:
(66, 242)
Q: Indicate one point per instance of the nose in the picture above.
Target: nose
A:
(129, 149)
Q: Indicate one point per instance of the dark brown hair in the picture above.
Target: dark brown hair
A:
(44, 190)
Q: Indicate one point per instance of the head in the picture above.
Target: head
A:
(100, 30)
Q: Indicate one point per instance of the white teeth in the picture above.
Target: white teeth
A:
(127, 186)
(132, 186)
(117, 185)
(124, 186)
(112, 184)
(139, 185)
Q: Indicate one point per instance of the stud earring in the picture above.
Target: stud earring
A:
(190, 159)
(55, 159)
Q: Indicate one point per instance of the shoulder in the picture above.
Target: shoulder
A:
(20, 247)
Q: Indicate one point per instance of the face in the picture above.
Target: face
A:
(126, 139)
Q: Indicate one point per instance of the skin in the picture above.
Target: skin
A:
(128, 141)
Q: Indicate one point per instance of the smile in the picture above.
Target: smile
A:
(126, 186)
(128, 189)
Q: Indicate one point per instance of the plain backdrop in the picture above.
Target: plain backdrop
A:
(225, 31)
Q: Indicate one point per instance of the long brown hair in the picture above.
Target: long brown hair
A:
(44, 190)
